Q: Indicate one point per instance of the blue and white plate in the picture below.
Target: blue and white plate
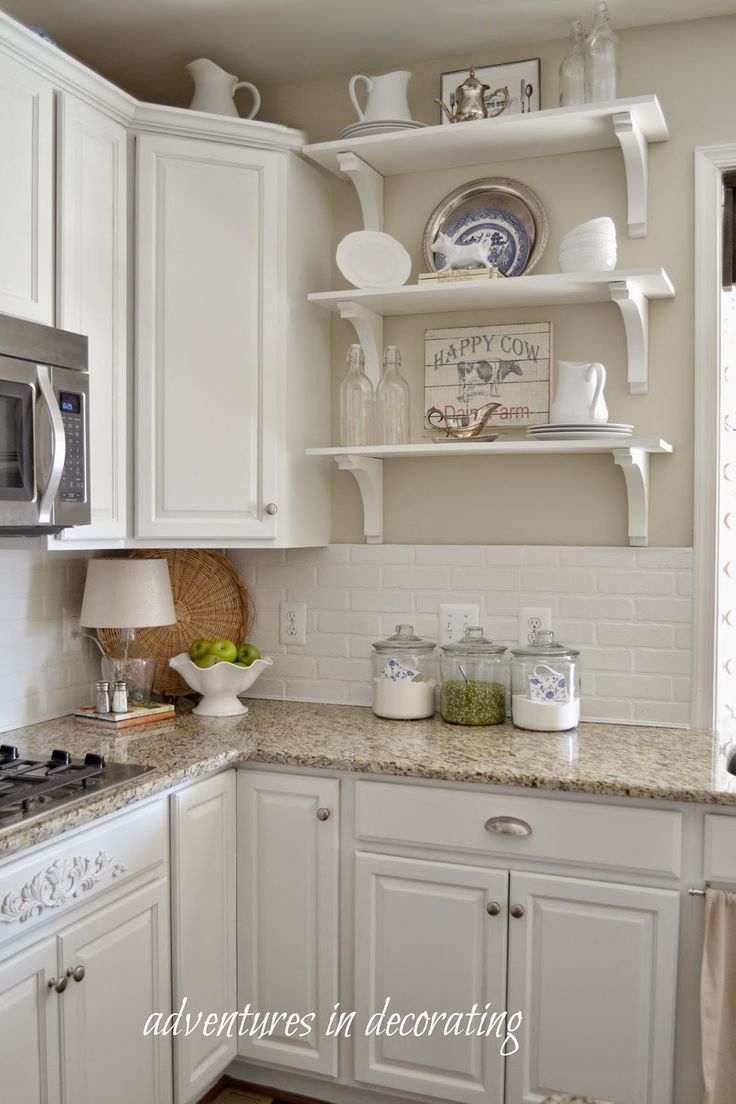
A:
(508, 243)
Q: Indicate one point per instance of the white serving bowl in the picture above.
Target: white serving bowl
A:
(587, 240)
(582, 264)
(596, 225)
(219, 685)
(604, 257)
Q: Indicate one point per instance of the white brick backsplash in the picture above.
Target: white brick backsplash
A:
(627, 610)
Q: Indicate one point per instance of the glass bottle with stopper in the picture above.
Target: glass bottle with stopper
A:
(392, 401)
(356, 401)
(572, 69)
(601, 59)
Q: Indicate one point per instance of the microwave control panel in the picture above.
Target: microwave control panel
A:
(73, 483)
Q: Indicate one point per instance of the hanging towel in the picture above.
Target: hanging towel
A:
(718, 998)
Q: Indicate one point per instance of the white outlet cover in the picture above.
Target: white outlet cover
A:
(454, 619)
(531, 617)
(293, 622)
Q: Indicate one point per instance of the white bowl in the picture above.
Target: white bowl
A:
(596, 263)
(605, 224)
(219, 685)
(589, 239)
(604, 258)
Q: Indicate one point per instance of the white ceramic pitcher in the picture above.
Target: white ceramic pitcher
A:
(386, 97)
(214, 89)
(579, 393)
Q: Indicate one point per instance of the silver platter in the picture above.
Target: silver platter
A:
(491, 191)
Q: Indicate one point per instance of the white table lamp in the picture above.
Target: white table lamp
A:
(128, 594)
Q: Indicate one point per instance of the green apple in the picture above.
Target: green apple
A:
(237, 663)
(206, 661)
(198, 649)
(225, 650)
(247, 654)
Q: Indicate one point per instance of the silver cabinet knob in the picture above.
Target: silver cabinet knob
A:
(272, 508)
(517, 911)
(323, 814)
(493, 908)
(76, 972)
(508, 826)
(59, 984)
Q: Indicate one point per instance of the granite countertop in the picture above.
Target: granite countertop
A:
(617, 760)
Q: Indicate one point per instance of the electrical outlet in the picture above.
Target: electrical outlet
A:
(71, 632)
(532, 618)
(293, 622)
(454, 620)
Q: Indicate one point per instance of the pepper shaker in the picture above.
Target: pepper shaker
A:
(103, 696)
(120, 698)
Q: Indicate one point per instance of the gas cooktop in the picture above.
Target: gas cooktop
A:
(31, 788)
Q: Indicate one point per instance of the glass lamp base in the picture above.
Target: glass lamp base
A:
(127, 662)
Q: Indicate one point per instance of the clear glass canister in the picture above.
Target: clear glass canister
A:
(545, 684)
(404, 669)
(474, 680)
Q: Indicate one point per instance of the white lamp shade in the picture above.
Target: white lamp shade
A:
(127, 594)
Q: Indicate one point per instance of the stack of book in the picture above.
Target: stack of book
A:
(451, 275)
(136, 715)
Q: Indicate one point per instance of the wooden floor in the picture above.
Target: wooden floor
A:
(228, 1091)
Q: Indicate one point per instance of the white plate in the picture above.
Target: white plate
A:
(370, 259)
(580, 435)
(547, 427)
(378, 126)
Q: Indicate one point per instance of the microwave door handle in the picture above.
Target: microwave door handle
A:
(58, 445)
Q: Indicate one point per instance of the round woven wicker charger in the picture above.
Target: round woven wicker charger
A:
(210, 601)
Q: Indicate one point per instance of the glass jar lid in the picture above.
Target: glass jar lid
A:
(543, 643)
(404, 640)
(474, 642)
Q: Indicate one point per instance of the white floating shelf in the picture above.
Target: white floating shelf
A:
(629, 453)
(628, 123)
(630, 289)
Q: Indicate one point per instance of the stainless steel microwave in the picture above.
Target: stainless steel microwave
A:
(44, 429)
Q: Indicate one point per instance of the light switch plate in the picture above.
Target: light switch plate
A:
(454, 619)
(293, 622)
(531, 618)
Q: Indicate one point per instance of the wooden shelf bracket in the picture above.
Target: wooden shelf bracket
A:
(368, 184)
(369, 327)
(634, 307)
(634, 148)
(368, 474)
(634, 463)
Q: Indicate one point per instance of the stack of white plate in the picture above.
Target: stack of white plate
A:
(590, 247)
(378, 126)
(580, 431)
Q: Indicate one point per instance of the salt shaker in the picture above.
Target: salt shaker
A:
(120, 698)
(103, 696)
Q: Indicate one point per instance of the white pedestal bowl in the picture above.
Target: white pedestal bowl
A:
(219, 685)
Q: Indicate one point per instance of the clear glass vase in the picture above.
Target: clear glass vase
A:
(356, 402)
(572, 69)
(392, 401)
(601, 59)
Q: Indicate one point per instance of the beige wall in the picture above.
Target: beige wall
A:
(565, 500)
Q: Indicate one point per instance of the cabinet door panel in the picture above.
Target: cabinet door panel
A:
(288, 912)
(208, 346)
(124, 949)
(26, 193)
(425, 940)
(29, 1027)
(92, 178)
(593, 966)
(203, 885)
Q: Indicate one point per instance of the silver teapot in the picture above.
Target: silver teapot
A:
(474, 100)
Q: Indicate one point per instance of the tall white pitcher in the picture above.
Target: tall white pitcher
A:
(214, 89)
(579, 393)
(386, 97)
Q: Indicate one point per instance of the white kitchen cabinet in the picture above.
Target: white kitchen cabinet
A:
(288, 929)
(227, 347)
(594, 967)
(429, 936)
(92, 295)
(123, 949)
(26, 192)
(203, 926)
(29, 1026)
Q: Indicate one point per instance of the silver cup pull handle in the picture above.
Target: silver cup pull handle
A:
(508, 826)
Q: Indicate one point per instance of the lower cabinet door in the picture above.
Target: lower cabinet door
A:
(203, 928)
(593, 966)
(29, 1027)
(429, 938)
(288, 931)
(122, 951)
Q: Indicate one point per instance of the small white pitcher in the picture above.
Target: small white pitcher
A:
(579, 393)
(386, 97)
(214, 89)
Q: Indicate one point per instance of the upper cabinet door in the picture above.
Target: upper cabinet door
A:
(430, 937)
(26, 193)
(29, 1026)
(92, 293)
(593, 966)
(208, 338)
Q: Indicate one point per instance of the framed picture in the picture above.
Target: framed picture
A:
(521, 78)
(469, 366)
